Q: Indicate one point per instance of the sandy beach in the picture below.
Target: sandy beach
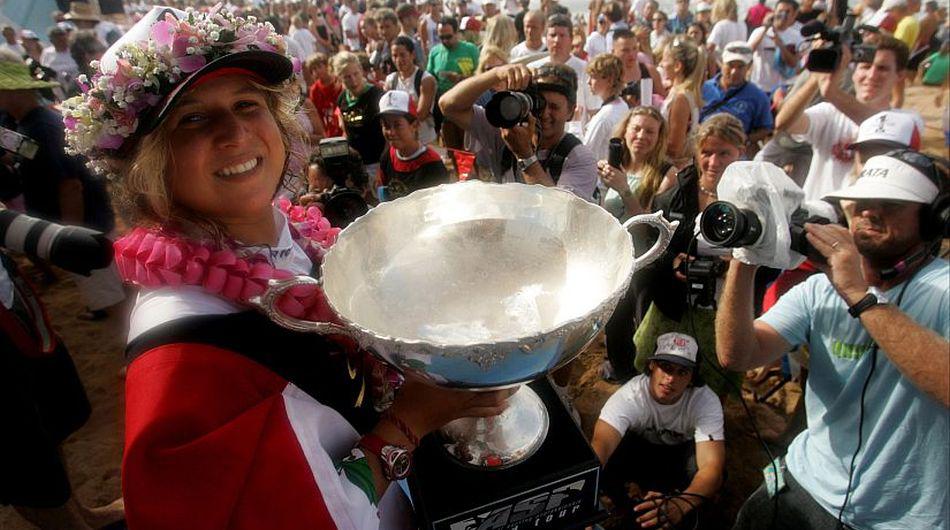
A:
(94, 452)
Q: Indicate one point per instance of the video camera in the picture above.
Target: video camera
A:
(508, 108)
(826, 58)
(761, 216)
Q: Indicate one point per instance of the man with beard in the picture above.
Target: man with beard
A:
(877, 322)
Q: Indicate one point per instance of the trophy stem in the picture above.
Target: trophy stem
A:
(500, 441)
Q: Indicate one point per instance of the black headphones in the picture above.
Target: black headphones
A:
(934, 217)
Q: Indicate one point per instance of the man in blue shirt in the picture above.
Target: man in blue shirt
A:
(731, 92)
(681, 20)
(875, 453)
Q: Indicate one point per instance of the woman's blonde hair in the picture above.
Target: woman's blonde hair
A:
(143, 193)
(724, 126)
(725, 10)
(501, 32)
(693, 60)
(651, 170)
(343, 59)
(610, 67)
(490, 52)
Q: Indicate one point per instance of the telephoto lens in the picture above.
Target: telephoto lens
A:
(506, 109)
(724, 224)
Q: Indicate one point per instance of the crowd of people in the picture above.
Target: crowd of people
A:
(236, 140)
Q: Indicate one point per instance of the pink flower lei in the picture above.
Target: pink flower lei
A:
(156, 258)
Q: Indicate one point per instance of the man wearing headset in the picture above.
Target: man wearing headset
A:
(875, 453)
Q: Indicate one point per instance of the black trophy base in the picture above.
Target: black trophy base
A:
(554, 488)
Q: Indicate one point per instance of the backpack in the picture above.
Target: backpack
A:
(416, 82)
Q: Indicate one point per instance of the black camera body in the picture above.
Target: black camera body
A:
(344, 202)
(508, 108)
(826, 59)
(701, 275)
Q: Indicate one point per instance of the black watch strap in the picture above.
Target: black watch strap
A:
(870, 300)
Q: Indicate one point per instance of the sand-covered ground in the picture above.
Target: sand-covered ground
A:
(94, 452)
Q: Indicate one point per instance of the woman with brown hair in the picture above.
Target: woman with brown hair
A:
(231, 420)
(645, 171)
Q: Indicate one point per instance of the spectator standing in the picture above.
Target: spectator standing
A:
(559, 37)
(381, 58)
(324, 93)
(727, 27)
(807, 12)
(659, 34)
(409, 164)
(419, 84)
(908, 27)
(684, 67)
(450, 62)
(58, 58)
(500, 32)
(704, 14)
(756, 15)
(681, 18)
(626, 48)
(534, 36)
(731, 92)
(933, 17)
(597, 40)
(605, 75)
(359, 110)
(408, 22)
(11, 42)
(429, 25)
(663, 429)
(301, 35)
(351, 26)
(557, 159)
(832, 125)
(523, 8)
(775, 45)
(31, 43)
(935, 69)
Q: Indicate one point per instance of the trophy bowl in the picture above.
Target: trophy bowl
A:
(479, 286)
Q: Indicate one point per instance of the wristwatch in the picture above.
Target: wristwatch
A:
(873, 297)
(396, 461)
(525, 163)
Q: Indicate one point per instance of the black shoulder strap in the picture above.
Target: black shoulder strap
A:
(417, 82)
(708, 111)
(554, 163)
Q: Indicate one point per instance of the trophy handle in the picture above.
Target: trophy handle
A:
(267, 302)
(666, 230)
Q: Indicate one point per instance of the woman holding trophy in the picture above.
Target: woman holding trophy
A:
(232, 421)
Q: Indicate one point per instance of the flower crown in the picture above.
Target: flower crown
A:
(136, 75)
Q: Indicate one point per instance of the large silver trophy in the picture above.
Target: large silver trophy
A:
(479, 286)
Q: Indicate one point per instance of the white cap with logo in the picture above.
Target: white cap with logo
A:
(737, 51)
(676, 348)
(900, 128)
(397, 102)
(889, 178)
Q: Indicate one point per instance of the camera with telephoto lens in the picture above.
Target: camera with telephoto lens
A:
(509, 108)
(701, 275)
(826, 58)
(344, 201)
(724, 224)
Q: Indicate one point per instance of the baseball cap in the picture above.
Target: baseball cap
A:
(557, 78)
(891, 4)
(737, 51)
(899, 129)
(676, 348)
(397, 102)
(703, 6)
(896, 176)
(29, 35)
(470, 24)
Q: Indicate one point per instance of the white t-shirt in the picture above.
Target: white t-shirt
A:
(601, 127)
(154, 307)
(522, 50)
(697, 415)
(306, 40)
(764, 72)
(724, 32)
(351, 23)
(830, 132)
(586, 100)
(60, 62)
(596, 45)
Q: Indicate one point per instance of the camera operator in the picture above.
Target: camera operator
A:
(663, 430)
(688, 282)
(832, 125)
(528, 153)
(876, 324)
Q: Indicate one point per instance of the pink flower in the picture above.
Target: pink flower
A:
(190, 63)
(162, 32)
(110, 141)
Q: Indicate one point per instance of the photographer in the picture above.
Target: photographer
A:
(874, 454)
(832, 125)
(720, 141)
(528, 153)
(663, 430)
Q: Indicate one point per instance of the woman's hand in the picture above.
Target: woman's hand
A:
(425, 408)
(614, 178)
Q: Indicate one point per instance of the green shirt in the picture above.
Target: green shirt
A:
(463, 59)
(937, 71)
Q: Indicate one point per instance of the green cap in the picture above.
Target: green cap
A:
(16, 76)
